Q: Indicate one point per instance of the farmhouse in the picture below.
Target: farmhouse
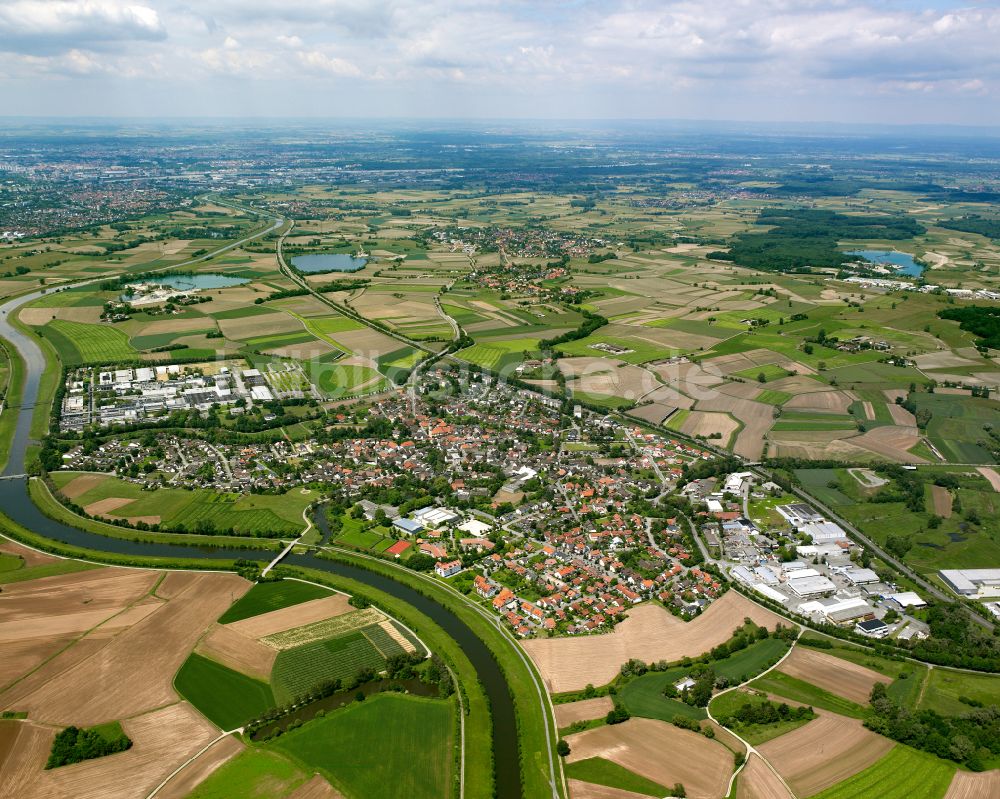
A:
(973, 582)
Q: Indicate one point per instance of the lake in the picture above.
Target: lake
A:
(328, 262)
(193, 282)
(903, 260)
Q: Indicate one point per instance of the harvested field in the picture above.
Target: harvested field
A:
(757, 419)
(901, 416)
(24, 748)
(367, 342)
(649, 633)
(584, 710)
(654, 413)
(259, 325)
(278, 621)
(70, 603)
(195, 773)
(177, 325)
(869, 410)
(587, 790)
(892, 442)
(757, 781)
(824, 752)
(161, 741)
(105, 506)
(237, 651)
(892, 394)
(970, 785)
(667, 395)
(702, 423)
(137, 665)
(316, 788)
(638, 744)
(608, 376)
(31, 557)
(822, 402)
(941, 499)
(79, 486)
(175, 583)
(990, 474)
(833, 674)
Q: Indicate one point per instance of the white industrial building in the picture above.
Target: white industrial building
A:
(973, 582)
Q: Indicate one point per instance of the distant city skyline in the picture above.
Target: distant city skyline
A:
(928, 62)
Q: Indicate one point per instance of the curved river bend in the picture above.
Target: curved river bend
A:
(16, 503)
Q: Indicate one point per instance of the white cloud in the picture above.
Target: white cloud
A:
(47, 26)
(426, 50)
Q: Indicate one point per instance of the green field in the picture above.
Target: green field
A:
(728, 703)
(744, 664)
(904, 773)
(254, 772)
(390, 745)
(226, 697)
(780, 684)
(956, 425)
(773, 397)
(644, 697)
(335, 380)
(599, 771)
(944, 687)
(769, 370)
(18, 573)
(265, 597)
(191, 511)
(497, 355)
(81, 343)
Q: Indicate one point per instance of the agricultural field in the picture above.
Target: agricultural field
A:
(901, 774)
(266, 597)
(397, 745)
(229, 699)
(196, 510)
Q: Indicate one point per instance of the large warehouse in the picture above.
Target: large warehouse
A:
(973, 582)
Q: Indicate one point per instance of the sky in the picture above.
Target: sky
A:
(881, 61)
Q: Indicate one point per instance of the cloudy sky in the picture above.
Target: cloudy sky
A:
(906, 61)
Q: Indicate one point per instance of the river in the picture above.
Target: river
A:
(16, 503)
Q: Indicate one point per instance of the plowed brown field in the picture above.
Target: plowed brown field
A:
(832, 674)
(138, 664)
(824, 752)
(969, 785)
(285, 619)
(584, 710)
(757, 781)
(649, 633)
(640, 745)
(235, 650)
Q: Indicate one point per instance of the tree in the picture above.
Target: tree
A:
(562, 748)
(761, 377)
